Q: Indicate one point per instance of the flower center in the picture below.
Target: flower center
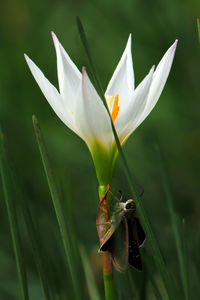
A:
(113, 105)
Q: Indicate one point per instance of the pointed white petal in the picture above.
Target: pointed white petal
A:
(128, 119)
(122, 81)
(159, 79)
(91, 117)
(69, 77)
(51, 93)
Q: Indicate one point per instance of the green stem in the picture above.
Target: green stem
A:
(107, 264)
(108, 276)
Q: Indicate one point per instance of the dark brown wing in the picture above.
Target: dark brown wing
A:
(134, 257)
(140, 233)
(108, 235)
(117, 245)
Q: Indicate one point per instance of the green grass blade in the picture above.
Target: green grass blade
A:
(156, 253)
(92, 288)
(175, 225)
(185, 261)
(57, 206)
(4, 294)
(35, 249)
(7, 185)
(132, 285)
(143, 286)
(198, 27)
(89, 55)
(156, 290)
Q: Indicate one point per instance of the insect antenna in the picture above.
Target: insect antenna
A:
(115, 197)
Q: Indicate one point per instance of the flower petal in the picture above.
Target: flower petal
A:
(159, 79)
(69, 77)
(122, 81)
(51, 94)
(128, 118)
(92, 119)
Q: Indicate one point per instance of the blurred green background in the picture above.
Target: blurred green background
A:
(174, 123)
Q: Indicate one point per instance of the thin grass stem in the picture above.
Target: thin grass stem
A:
(7, 184)
(92, 288)
(175, 225)
(185, 261)
(33, 237)
(198, 28)
(156, 290)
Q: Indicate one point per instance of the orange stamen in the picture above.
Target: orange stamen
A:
(115, 109)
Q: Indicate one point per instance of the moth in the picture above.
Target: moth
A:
(120, 232)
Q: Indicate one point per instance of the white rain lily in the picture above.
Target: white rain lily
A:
(79, 106)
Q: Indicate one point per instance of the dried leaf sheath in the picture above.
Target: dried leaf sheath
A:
(103, 217)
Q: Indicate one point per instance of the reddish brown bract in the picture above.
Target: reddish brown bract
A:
(103, 217)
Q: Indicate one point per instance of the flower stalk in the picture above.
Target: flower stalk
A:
(107, 262)
(108, 276)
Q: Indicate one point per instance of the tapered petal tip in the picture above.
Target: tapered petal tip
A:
(152, 69)
(130, 38)
(84, 74)
(54, 37)
(173, 46)
(128, 45)
(83, 71)
(28, 60)
(175, 43)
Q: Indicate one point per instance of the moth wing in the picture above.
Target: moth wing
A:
(140, 233)
(113, 225)
(107, 237)
(134, 257)
(120, 253)
(117, 245)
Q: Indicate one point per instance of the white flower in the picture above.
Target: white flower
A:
(79, 106)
